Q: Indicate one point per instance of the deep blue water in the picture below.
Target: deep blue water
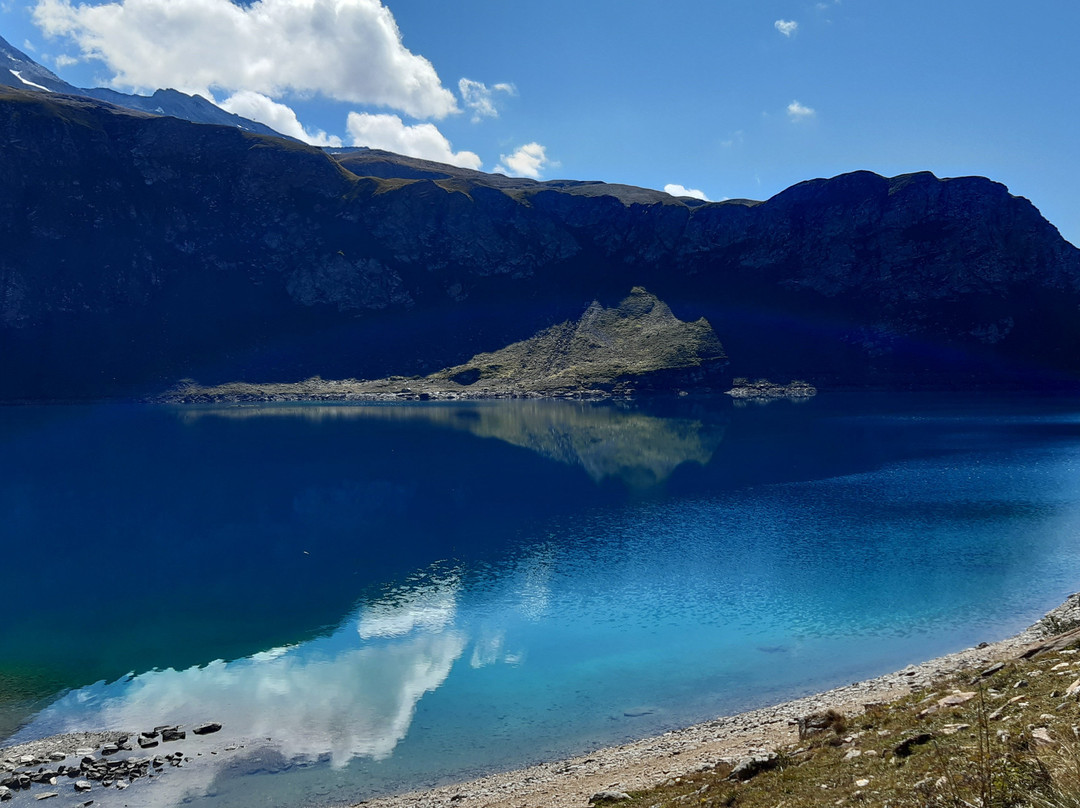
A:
(381, 597)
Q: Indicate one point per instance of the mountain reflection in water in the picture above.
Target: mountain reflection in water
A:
(390, 600)
(609, 439)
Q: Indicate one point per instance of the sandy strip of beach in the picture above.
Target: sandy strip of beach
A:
(644, 763)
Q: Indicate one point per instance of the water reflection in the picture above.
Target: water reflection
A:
(607, 440)
(350, 694)
(815, 547)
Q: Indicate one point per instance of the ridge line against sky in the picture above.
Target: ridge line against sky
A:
(701, 98)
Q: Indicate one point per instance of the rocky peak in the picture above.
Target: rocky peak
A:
(628, 346)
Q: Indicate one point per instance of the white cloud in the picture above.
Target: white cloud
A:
(348, 50)
(800, 112)
(278, 117)
(28, 46)
(527, 161)
(63, 60)
(422, 140)
(480, 98)
(736, 139)
(681, 190)
(786, 27)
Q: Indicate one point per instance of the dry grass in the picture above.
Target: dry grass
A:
(1003, 740)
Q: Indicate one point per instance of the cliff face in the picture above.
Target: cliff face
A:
(136, 250)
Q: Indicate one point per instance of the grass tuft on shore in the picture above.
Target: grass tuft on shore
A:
(1005, 739)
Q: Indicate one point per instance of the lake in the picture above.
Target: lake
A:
(378, 597)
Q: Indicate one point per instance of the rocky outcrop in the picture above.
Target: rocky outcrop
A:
(137, 250)
(638, 345)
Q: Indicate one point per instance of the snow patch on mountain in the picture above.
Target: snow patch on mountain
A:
(16, 74)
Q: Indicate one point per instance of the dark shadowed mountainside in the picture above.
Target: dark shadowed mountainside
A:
(137, 250)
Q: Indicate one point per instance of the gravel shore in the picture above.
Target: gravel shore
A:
(644, 763)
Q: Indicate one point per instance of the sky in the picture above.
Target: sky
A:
(711, 98)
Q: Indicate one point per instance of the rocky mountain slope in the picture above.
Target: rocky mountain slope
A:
(138, 250)
(636, 346)
(19, 70)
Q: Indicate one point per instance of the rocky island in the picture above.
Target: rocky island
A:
(636, 346)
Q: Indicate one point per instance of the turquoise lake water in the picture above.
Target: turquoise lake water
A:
(376, 598)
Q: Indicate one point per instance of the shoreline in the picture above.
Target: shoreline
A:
(651, 761)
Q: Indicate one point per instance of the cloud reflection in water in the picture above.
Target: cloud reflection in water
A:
(350, 694)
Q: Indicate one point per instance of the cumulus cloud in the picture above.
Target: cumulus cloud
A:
(527, 161)
(63, 60)
(422, 140)
(681, 190)
(278, 117)
(348, 50)
(786, 27)
(481, 99)
(800, 112)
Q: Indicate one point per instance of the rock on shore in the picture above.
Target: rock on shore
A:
(70, 758)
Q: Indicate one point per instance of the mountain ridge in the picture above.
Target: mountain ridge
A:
(16, 67)
(137, 250)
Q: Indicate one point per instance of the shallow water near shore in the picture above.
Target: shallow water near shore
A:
(375, 598)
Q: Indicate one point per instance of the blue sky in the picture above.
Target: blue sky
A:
(732, 98)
